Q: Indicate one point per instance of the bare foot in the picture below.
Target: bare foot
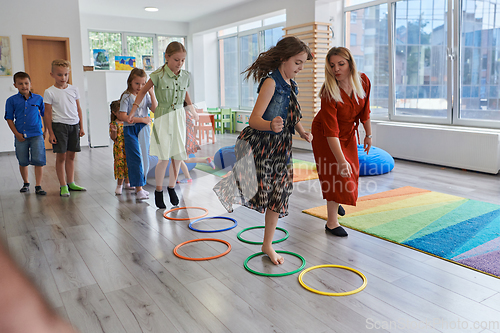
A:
(275, 257)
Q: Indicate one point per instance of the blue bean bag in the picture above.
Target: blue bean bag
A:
(377, 162)
(225, 157)
(153, 161)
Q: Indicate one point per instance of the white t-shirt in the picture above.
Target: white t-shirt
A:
(63, 101)
(128, 101)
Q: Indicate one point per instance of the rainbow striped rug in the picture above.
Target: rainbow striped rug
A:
(459, 230)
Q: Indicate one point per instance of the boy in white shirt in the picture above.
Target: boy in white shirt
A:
(63, 118)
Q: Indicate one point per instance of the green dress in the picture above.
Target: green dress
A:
(120, 164)
(168, 137)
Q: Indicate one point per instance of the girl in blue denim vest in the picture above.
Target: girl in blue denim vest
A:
(262, 178)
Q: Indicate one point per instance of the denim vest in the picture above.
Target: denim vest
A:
(278, 106)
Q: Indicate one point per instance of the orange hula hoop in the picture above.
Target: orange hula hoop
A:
(184, 218)
(201, 240)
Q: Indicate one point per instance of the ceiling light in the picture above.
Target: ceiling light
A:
(151, 9)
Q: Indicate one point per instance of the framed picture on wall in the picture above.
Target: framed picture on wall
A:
(124, 63)
(101, 59)
(5, 57)
(147, 62)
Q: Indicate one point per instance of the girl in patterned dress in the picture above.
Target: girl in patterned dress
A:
(262, 177)
(116, 134)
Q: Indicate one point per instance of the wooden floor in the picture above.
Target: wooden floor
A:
(106, 263)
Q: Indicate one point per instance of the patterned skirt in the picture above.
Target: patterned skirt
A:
(191, 145)
(262, 177)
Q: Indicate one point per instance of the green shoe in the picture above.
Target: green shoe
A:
(64, 191)
(74, 187)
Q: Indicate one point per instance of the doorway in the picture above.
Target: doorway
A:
(39, 52)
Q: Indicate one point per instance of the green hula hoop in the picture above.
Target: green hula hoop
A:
(277, 274)
(260, 227)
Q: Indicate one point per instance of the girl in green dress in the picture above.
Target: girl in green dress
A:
(168, 137)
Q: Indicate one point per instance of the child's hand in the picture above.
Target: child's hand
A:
(277, 124)
(52, 139)
(20, 137)
(82, 132)
(196, 116)
(113, 127)
(307, 136)
(130, 120)
(146, 120)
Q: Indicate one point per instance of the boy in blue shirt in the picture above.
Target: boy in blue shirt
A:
(24, 112)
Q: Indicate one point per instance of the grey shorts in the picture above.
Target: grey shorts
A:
(67, 136)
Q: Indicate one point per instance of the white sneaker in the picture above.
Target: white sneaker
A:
(118, 190)
(141, 195)
(128, 187)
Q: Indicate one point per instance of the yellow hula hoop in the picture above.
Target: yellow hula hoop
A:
(347, 293)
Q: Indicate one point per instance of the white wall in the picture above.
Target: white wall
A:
(58, 18)
(331, 12)
(113, 23)
(297, 12)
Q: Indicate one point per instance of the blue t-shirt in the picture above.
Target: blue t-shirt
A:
(128, 101)
(26, 113)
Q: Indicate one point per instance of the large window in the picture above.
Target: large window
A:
(480, 60)
(420, 58)
(140, 47)
(229, 77)
(147, 49)
(238, 48)
(372, 54)
(249, 51)
(112, 42)
(410, 62)
(163, 42)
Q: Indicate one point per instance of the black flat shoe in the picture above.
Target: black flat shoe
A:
(159, 200)
(338, 231)
(341, 210)
(174, 200)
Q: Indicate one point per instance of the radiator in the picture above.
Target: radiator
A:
(459, 147)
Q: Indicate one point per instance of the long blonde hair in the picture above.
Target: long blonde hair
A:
(172, 48)
(330, 87)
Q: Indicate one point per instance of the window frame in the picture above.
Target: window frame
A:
(260, 33)
(124, 46)
(453, 65)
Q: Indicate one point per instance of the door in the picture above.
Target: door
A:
(39, 52)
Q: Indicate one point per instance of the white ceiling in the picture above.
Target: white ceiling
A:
(169, 10)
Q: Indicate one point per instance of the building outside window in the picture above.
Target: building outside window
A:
(423, 58)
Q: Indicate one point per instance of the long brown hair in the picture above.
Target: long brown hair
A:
(330, 87)
(136, 72)
(272, 58)
(114, 107)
